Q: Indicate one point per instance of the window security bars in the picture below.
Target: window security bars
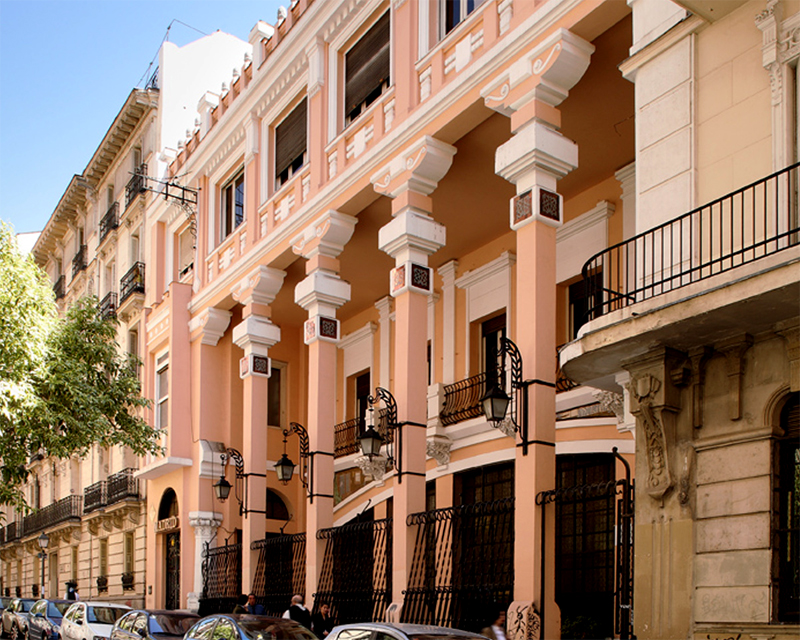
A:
(463, 565)
(136, 185)
(356, 577)
(128, 581)
(222, 579)
(59, 287)
(79, 261)
(108, 306)
(122, 485)
(95, 496)
(110, 221)
(462, 399)
(132, 282)
(280, 572)
(748, 224)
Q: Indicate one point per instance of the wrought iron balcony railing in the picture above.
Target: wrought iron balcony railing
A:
(132, 282)
(13, 530)
(746, 225)
(95, 496)
(346, 435)
(102, 584)
(136, 185)
(562, 382)
(122, 485)
(462, 399)
(69, 508)
(59, 287)
(108, 306)
(128, 580)
(110, 221)
(79, 261)
(2, 535)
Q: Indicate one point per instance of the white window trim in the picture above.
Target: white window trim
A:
(158, 400)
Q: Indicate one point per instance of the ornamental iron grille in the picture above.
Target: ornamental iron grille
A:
(122, 485)
(222, 579)
(748, 224)
(173, 577)
(356, 577)
(594, 576)
(462, 399)
(280, 572)
(463, 564)
(132, 282)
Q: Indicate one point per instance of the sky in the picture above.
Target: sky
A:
(66, 68)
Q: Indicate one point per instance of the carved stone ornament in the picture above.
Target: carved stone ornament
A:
(524, 622)
(506, 427)
(611, 402)
(373, 469)
(643, 389)
(438, 448)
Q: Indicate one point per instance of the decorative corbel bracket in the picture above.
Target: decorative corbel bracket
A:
(373, 469)
(789, 330)
(699, 358)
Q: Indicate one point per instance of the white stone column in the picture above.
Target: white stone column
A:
(205, 525)
(384, 307)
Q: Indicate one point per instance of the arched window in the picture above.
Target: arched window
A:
(786, 531)
(276, 507)
(168, 506)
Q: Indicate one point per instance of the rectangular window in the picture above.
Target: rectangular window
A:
(185, 252)
(367, 68)
(276, 395)
(75, 564)
(103, 557)
(363, 391)
(162, 392)
(455, 11)
(786, 515)
(491, 363)
(290, 143)
(232, 205)
(129, 554)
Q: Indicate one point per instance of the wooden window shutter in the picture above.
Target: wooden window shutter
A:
(290, 138)
(367, 64)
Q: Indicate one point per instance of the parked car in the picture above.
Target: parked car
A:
(44, 620)
(387, 631)
(15, 618)
(153, 625)
(91, 620)
(247, 627)
(4, 603)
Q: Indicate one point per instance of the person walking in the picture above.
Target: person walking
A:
(322, 622)
(298, 612)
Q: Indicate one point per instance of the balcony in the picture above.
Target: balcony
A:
(128, 581)
(108, 306)
(462, 400)
(12, 530)
(136, 185)
(132, 282)
(102, 584)
(346, 434)
(110, 221)
(746, 225)
(95, 497)
(66, 509)
(59, 287)
(79, 261)
(122, 485)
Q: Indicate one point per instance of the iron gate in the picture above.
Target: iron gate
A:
(356, 579)
(622, 489)
(222, 579)
(280, 572)
(173, 573)
(463, 565)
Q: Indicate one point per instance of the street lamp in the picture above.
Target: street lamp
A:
(43, 541)
(284, 468)
(496, 401)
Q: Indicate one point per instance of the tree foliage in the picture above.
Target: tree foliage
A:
(64, 386)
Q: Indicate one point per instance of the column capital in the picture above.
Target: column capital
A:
(418, 168)
(326, 236)
(545, 74)
(412, 236)
(205, 523)
(260, 286)
(210, 325)
(321, 292)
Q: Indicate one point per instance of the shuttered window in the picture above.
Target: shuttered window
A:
(367, 69)
(232, 205)
(290, 143)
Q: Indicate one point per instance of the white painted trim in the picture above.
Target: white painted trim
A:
(595, 446)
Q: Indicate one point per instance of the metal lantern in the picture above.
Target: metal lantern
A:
(285, 469)
(495, 404)
(43, 541)
(222, 488)
(371, 442)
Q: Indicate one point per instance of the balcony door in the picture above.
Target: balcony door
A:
(492, 331)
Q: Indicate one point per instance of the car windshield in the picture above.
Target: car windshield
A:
(25, 605)
(57, 609)
(173, 624)
(105, 615)
(267, 629)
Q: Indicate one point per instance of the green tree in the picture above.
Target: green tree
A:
(64, 385)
